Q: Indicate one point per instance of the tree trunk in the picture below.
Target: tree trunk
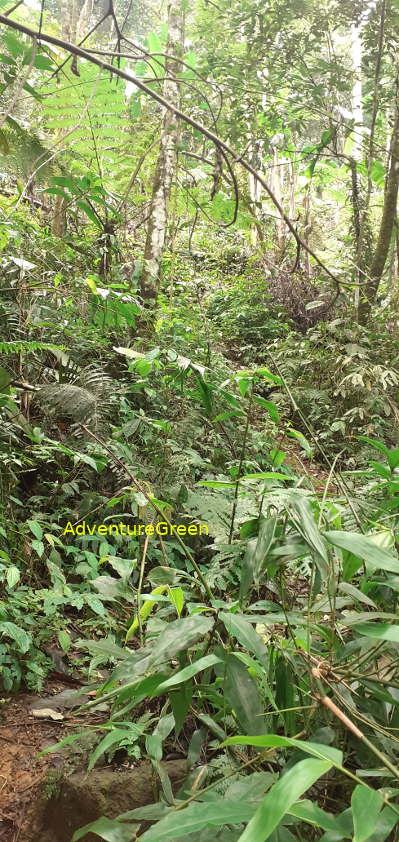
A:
(58, 224)
(277, 188)
(255, 192)
(357, 108)
(68, 31)
(167, 159)
(369, 292)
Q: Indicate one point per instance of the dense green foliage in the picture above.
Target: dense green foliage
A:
(258, 395)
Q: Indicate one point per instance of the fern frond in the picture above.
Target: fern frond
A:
(86, 401)
(20, 149)
(22, 346)
(69, 400)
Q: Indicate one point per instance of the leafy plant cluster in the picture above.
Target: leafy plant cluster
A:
(265, 652)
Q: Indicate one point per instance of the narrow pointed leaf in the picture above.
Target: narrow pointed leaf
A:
(366, 807)
(365, 548)
(281, 797)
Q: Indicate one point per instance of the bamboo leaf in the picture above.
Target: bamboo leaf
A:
(197, 816)
(281, 797)
(366, 806)
(109, 829)
(365, 548)
(242, 694)
(240, 628)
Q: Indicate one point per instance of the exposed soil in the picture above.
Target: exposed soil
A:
(22, 738)
(45, 799)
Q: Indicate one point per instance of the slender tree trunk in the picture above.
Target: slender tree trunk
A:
(369, 292)
(276, 185)
(69, 14)
(307, 228)
(167, 160)
(58, 223)
(255, 192)
(357, 108)
(83, 20)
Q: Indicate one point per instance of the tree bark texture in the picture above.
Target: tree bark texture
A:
(167, 160)
(368, 293)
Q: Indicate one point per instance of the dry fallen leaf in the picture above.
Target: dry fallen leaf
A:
(47, 713)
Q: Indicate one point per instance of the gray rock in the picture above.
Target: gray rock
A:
(67, 699)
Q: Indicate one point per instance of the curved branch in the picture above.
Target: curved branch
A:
(221, 144)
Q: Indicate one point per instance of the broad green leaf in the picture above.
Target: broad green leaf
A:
(197, 816)
(380, 469)
(154, 741)
(85, 207)
(195, 747)
(322, 752)
(72, 738)
(295, 434)
(265, 540)
(326, 137)
(162, 575)
(13, 576)
(306, 525)
(35, 527)
(366, 806)
(309, 812)
(216, 484)
(22, 638)
(109, 829)
(213, 726)
(245, 634)
(14, 45)
(377, 444)
(248, 568)
(378, 173)
(65, 181)
(387, 819)
(180, 701)
(346, 587)
(186, 673)
(266, 475)
(382, 631)
(272, 378)
(270, 407)
(243, 386)
(393, 458)
(140, 689)
(177, 597)
(64, 640)
(38, 546)
(223, 416)
(282, 796)
(242, 694)
(110, 739)
(365, 548)
(153, 812)
(177, 635)
(143, 367)
(155, 44)
(135, 107)
(43, 62)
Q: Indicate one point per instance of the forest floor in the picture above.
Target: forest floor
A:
(22, 738)
(25, 778)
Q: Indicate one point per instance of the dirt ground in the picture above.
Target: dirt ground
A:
(22, 738)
